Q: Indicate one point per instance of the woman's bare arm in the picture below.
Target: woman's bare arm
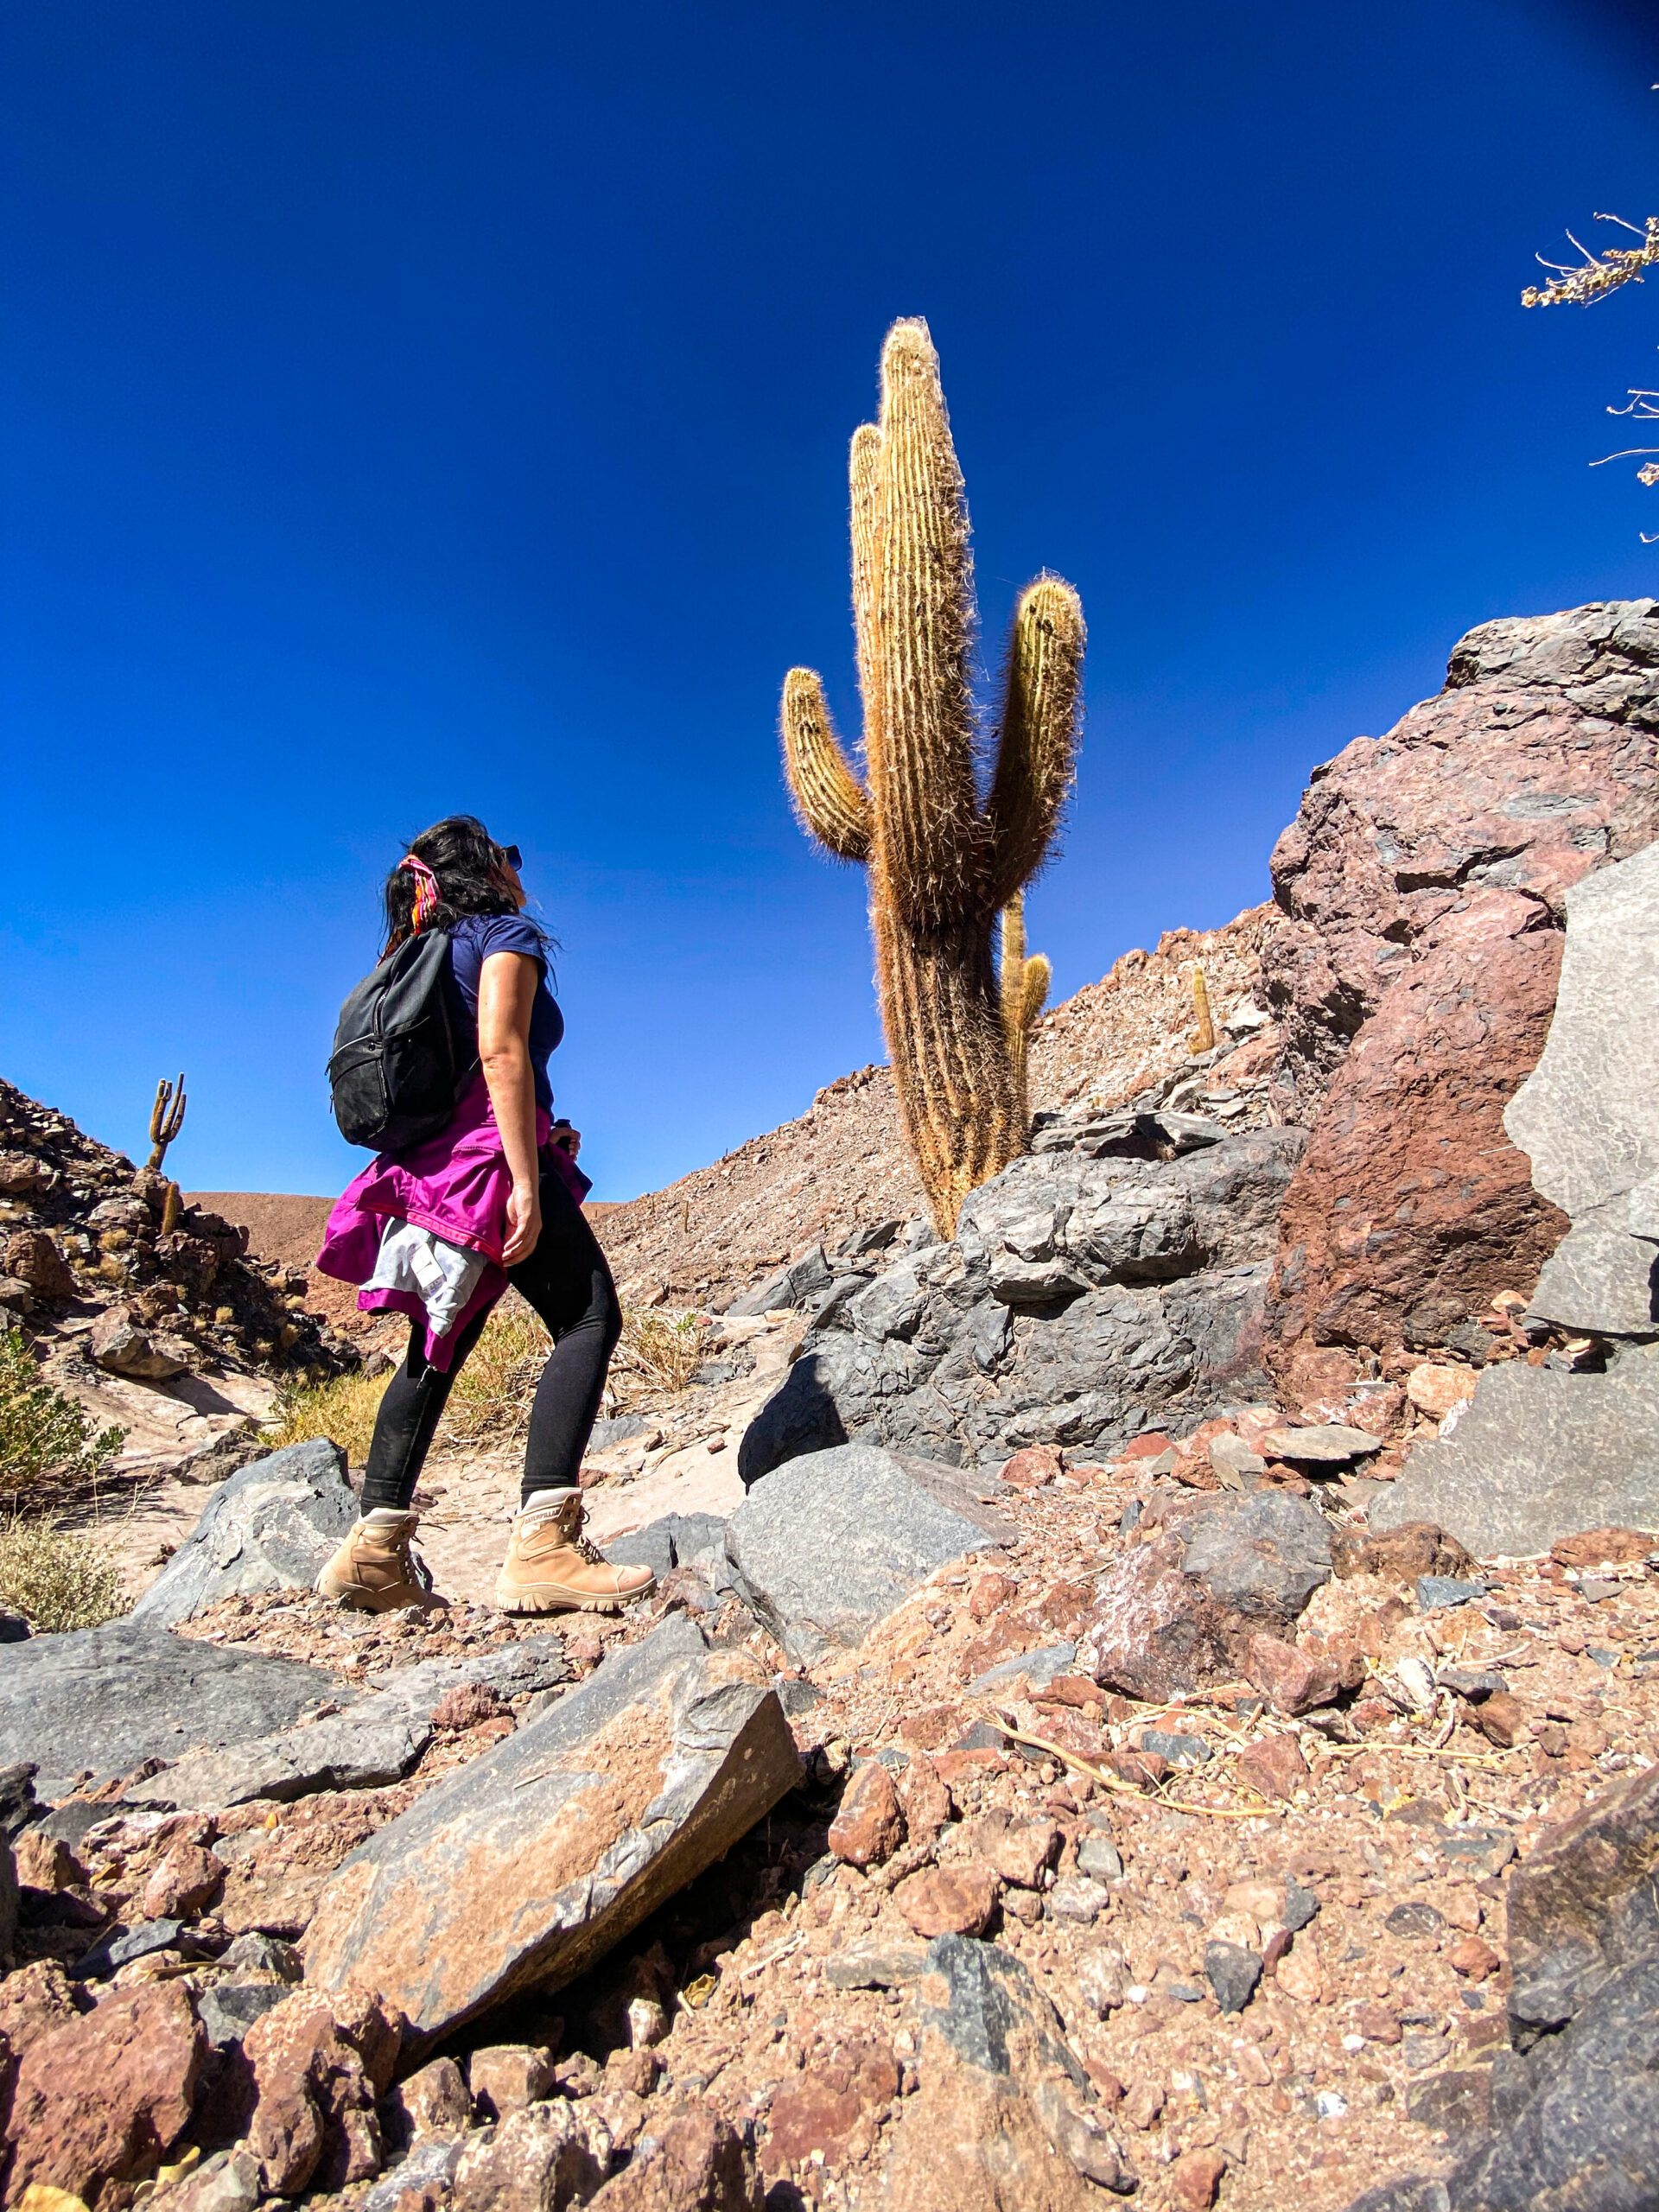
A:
(506, 991)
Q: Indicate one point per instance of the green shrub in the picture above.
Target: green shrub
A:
(58, 1578)
(43, 1432)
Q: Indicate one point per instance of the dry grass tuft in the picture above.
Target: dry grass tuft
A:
(658, 1351)
(490, 1403)
(58, 1579)
(342, 1409)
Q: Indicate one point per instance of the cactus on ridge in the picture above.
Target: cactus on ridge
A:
(943, 862)
(1202, 1040)
(166, 1119)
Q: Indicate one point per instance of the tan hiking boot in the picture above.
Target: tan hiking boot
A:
(377, 1570)
(551, 1568)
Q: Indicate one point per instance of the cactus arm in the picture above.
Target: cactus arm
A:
(1023, 984)
(919, 742)
(864, 471)
(1038, 976)
(1011, 972)
(828, 796)
(1036, 752)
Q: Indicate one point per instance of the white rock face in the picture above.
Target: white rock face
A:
(1588, 1116)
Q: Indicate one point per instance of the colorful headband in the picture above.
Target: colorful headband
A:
(428, 893)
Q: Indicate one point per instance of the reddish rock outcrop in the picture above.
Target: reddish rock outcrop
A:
(100, 2099)
(1413, 968)
(319, 2071)
(1411, 1207)
(692, 2162)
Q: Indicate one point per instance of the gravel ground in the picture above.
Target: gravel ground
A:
(1362, 2052)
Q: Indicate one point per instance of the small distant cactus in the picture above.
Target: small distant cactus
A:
(943, 862)
(172, 1208)
(166, 1119)
(1203, 1038)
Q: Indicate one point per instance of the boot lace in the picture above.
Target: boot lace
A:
(578, 1543)
(415, 1569)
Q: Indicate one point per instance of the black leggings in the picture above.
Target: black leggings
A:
(567, 1282)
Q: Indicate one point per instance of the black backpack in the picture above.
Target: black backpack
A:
(402, 1054)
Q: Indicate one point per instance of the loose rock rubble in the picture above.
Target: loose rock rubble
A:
(1203, 1943)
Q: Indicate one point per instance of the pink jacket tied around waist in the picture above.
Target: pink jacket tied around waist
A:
(456, 1185)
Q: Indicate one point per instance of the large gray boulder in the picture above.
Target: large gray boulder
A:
(532, 1862)
(677, 1540)
(1588, 1114)
(1537, 1455)
(1097, 1296)
(374, 1741)
(272, 1526)
(1180, 1611)
(794, 1286)
(1109, 1220)
(832, 1543)
(101, 1701)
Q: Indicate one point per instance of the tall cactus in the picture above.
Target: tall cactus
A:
(943, 862)
(166, 1119)
(1203, 1038)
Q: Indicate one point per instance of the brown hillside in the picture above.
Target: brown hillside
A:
(280, 1226)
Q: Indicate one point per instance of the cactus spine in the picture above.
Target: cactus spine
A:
(166, 1119)
(942, 862)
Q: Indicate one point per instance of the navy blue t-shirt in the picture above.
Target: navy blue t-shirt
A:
(470, 943)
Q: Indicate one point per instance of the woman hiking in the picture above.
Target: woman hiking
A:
(439, 1231)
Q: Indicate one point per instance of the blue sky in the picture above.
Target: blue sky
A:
(412, 408)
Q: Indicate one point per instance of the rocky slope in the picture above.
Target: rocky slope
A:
(1086, 1834)
(1158, 1703)
(168, 1329)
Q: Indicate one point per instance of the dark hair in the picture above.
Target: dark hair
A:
(467, 863)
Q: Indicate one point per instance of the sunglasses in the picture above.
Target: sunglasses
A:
(511, 854)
